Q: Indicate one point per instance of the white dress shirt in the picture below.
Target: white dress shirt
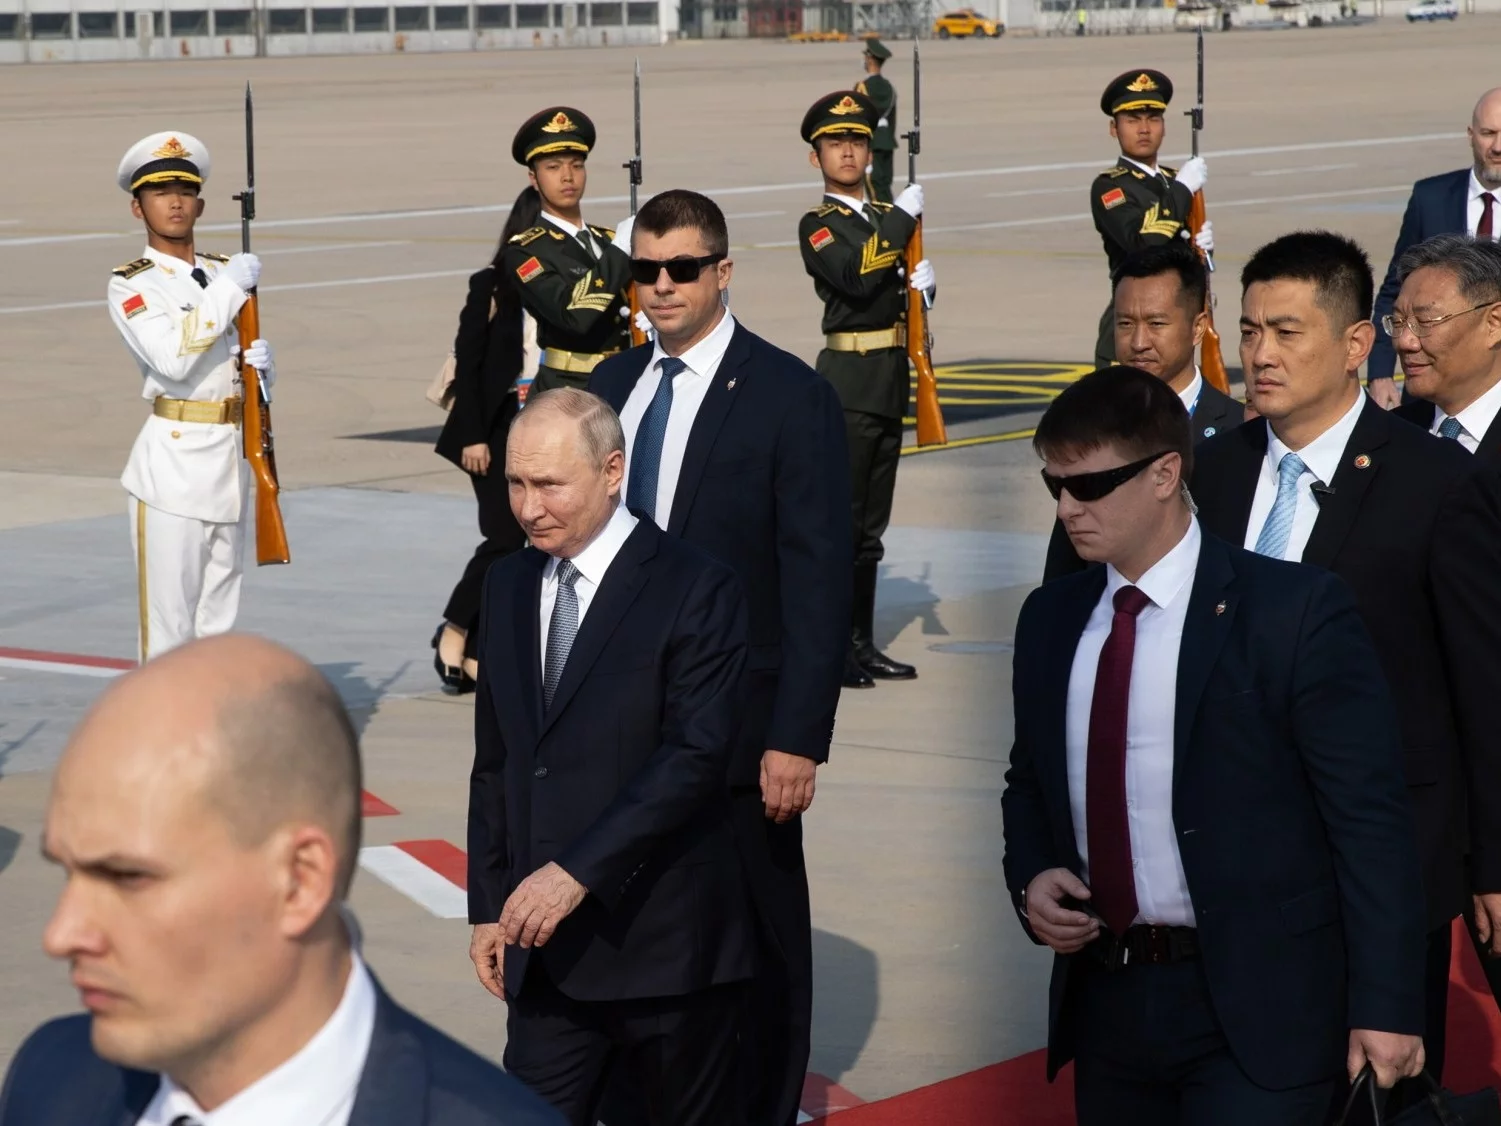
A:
(316, 1087)
(1322, 457)
(592, 563)
(689, 387)
(1476, 418)
(1476, 207)
(1190, 394)
(857, 205)
(1161, 888)
(573, 232)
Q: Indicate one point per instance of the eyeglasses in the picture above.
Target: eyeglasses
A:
(1422, 326)
(1093, 486)
(645, 271)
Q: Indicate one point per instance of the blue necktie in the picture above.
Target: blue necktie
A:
(646, 452)
(562, 628)
(1278, 528)
(1450, 428)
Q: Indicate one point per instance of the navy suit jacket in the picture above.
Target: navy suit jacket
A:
(765, 488)
(622, 780)
(1288, 801)
(414, 1076)
(1420, 412)
(1438, 206)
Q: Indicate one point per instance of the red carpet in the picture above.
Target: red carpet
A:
(1014, 1093)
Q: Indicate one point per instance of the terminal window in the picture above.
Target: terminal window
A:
(51, 25)
(639, 14)
(288, 21)
(605, 15)
(493, 16)
(97, 25)
(331, 19)
(412, 19)
(454, 17)
(232, 21)
(372, 19)
(10, 25)
(190, 23)
(531, 15)
(153, 24)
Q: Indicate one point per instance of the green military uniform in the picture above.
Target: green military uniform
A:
(883, 136)
(1133, 208)
(576, 288)
(855, 257)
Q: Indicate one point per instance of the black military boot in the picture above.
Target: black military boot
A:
(854, 675)
(871, 659)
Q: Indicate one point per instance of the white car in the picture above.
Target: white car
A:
(1433, 10)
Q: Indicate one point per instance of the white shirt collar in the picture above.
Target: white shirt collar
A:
(1477, 189)
(706, 354)
(1190, 394)
(309, 1088)
(1169, 577)
(1478, 416)
(600, 552)
(1149, 169)
(1322, 455)
(849, 201)
(562, 224)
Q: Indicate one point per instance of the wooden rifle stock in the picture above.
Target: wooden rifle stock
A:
(1211, 362)
(930, 428)
(270, 530)
(637, 336)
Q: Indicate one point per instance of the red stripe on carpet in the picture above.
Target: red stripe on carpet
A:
(372, 806)
(443, 858)
(822, 1096)
(67, 658)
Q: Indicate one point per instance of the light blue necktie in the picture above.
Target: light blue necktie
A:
(646, 451)
(1279, 522)
(562, 628)
(1450, 428)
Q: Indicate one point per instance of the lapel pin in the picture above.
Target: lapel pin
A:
(1363, 461)
(1219, 609)
(730, 386)
(1209, 431)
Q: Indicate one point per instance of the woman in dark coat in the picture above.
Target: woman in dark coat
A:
(488, 358)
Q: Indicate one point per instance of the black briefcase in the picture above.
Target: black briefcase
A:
(1438, 1108)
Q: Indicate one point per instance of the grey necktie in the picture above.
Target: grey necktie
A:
(870, 215)
(585, 238)
(1450, 428)
(562, 628)
(1278, 528)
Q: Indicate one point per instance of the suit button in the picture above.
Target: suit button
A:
(177, 433)
(540, 772)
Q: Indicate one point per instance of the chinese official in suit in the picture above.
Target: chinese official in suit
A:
(609, 905)
(1205, 815)
(1458, 202)
(739, 448)
(1159, 323)
(1329, 478)
(206, 819)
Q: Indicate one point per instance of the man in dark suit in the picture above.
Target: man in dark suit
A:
(608, 903)
(1329, 478)
(739, 448)
(1204, 814)
(1459, 202)
(206, 816)
(1158, 299)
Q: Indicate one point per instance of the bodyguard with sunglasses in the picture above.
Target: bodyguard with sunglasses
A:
(1205, 816)
(739, 448)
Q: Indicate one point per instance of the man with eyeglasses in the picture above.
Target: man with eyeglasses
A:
(1204, 814)
(572, 275)
(1327, 477)
(853, 249)
(739, 448)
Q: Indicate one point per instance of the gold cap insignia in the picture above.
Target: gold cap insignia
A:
(172, 150)
(845, 105)
(1142, 84)
(560, 123)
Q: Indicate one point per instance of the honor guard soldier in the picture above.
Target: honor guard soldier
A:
(187, 476)
(574, 276)
(1138, 203)
(853, 249)
(883, 139)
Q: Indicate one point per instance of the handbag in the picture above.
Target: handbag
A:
(1439, 1107)
(440, 390)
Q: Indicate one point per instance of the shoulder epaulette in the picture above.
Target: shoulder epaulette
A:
(131, 269)
(860, 87)
(828, 208)
(1116, 172)
(214, 257)
(530, 236)
(1173, 172)
(602, 232)
(882, 207)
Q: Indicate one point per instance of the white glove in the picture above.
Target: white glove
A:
(258, 356)
(1194, 174)
(622, 237)
(922, 276)
(244, 270)
(1204, 240)
(643, 324)
(910, 200)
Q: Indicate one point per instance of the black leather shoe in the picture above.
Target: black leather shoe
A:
(854, 675)
(863, 613)
(454, 678)
(880, 666)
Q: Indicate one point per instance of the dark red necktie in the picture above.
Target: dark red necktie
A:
(1111, 878)
(1483, 228)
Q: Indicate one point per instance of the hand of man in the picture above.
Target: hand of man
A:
(258, 356)
(786, 784)
(1488, 922)
(1194, 174)
(622, 237)
(1204, 240)
(244, 270)
(486, 951)
(476, 459)
(1065, 930)
(910, 200)
(1391, 1055)
(922, 277)
(1385, 391)
(542, 901)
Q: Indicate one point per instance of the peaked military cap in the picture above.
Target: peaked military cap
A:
(163, 157)
(554, 130)
(877, 50)
(1137, 89)
(843, 111)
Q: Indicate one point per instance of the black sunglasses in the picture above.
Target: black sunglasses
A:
(645, 271)
(1092, 486)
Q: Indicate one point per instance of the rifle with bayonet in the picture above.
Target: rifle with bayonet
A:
(930, 428)
(633, 166)
(1211, 362)
(270, 530)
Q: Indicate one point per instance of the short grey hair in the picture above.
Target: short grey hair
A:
(600, 432)
(1475, 264)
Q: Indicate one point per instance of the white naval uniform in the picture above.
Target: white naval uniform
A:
(187, 481)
